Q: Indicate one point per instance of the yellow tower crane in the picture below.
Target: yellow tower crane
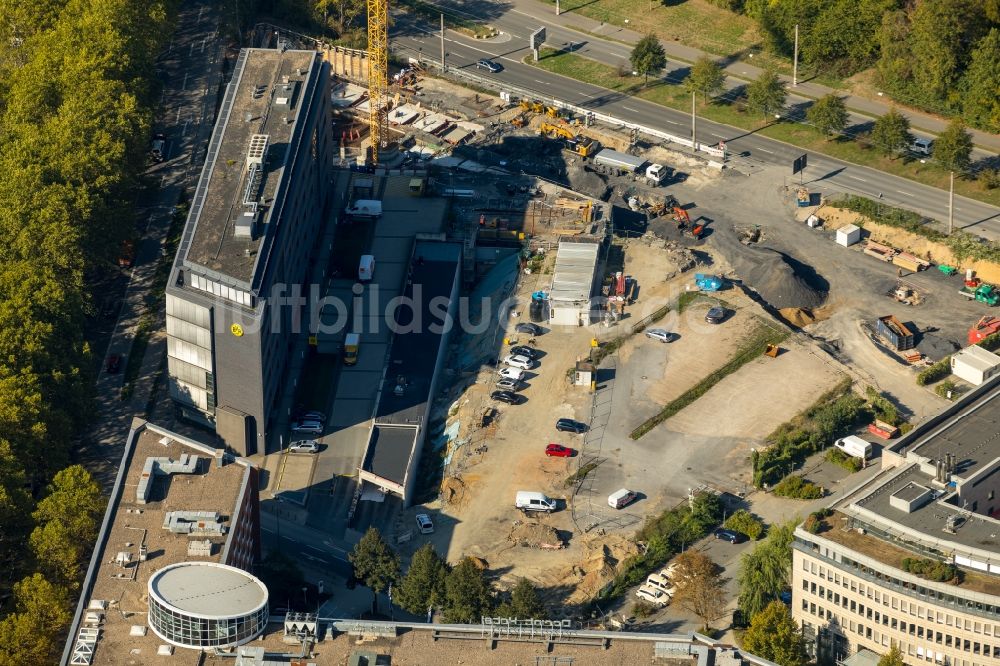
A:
(378, 73)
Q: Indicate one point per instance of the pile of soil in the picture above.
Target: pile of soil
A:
(779, 279)
(535, 535)
(452, 490)
(597, 570)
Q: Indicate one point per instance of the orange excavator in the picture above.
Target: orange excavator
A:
(683, 220)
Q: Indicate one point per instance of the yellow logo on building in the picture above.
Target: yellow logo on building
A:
(236, 330)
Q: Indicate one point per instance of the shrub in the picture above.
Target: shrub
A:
(941, 572)
(990, 342)
(882, 406)
(814, 521)
(933, 373)
(643, 609)
(838, 457)
(797, 487)
(946, 390)
(989, 179)
(747, 523)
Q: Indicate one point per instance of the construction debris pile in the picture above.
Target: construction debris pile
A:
(535, 535)
(778, 279)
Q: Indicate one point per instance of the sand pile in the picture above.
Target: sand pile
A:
(597, 570)
(452, 490)
(535, 535)
(779, 279)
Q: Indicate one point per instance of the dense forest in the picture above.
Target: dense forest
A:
(76, 79)
(938, 55)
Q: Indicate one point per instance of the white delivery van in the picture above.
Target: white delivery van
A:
(365, 208)
(366, 268)
(854, 446)
(621, 498)
(527, 500)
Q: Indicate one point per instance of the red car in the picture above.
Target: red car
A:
(559, 451)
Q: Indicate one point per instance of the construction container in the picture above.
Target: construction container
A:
(975, 364)
(895, 333)
(848, 235)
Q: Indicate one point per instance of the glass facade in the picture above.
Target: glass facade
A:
(201, 632)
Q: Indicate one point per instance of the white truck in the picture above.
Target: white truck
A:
(656, 174)
(527, 500)
(854, 446)
(365, 209)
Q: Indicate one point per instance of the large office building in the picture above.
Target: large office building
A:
(170, 570)
(261, 202)
(912, 557)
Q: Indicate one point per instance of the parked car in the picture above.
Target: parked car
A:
(522, 350)
(509, 385)
(425, 524)
(511, 373)
(158, 148)
(559, 451)
(922, 146)
(517, 361)
(304, 446)
(313, 416)
(715, 315)
(659, 334)
(509, 397)
(731, 536)
(529, 328)
(569, 425)
(661, 582)
(113, 364)
(310, 427)
(653, 595)
(492, 66)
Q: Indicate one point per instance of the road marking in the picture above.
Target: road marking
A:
(906, 194)
(542, 82)
(672, 122)
(765, 150)
(629, 108)
(184, 87)
(719, 136)
(861, 179)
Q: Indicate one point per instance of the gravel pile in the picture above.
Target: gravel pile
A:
(780, 280)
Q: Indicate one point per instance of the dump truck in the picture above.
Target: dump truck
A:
(984, 293)
(984, 328)
(895, 332)
(618, 160)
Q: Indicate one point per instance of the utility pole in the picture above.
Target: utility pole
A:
(795, 59)
(444, 67)
(951, 203)
(694, 144)
(557, 7)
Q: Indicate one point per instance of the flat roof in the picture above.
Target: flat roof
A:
(207, 588)
(412, 359)
(573, 275)
(210, 489)
(977, 357)
(265, 97)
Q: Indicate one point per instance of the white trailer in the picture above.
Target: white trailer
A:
(624, 161)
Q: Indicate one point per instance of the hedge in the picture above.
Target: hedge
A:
(935, 372)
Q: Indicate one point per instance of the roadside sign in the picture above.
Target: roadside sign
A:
(535, 41)
(799, 165)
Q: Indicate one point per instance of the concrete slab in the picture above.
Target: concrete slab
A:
(358, 385)
(350, 412)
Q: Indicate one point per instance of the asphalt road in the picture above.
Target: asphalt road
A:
(412, 37)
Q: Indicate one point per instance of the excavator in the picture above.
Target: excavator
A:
(579, 144)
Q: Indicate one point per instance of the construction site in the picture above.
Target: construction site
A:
(677, 237)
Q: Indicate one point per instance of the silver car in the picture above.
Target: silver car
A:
(304, 446)
(659, 334)
(506, 384)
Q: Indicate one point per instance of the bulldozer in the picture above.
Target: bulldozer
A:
(576, 143)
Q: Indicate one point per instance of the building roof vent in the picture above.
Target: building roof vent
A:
(257, 150)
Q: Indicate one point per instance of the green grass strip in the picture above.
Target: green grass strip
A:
(751, 349)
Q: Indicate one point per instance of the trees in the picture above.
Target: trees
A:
(764, 571)
(706, 78)
(828, 114)
(891, 133)
(699, 586)
(953, 147)
(745, 522)
(524, 602)
(774, 635)
(648, 56)
(894, 657)
(423, 587)
(981, 103)
(766, 95)
(375, 563)
(29, 635)
(468, 596)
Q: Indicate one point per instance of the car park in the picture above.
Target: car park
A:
(653, 595)
(522, 350)
(311, 427)
(492, 66)
(509, 397)
(509, 385)
(715, 315)
(529, 328)
(569, 425)
(304, 446)
(731, 536)
(660, 334)
(517, 361)
(425, 524)
(511, 373)
(559, 451)
(113, 364)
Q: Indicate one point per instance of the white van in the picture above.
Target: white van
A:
(527, 500)
(366, 268)
(921, 146)
(621, 498)
(854, 446)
